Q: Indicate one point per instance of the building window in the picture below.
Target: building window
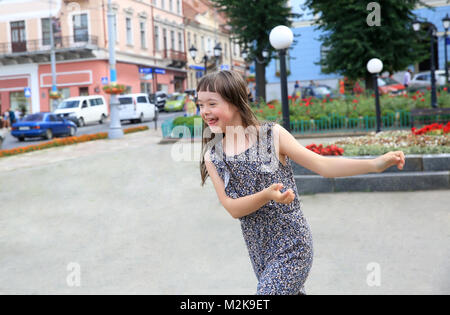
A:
(171, 5)
(172, 40)
(203, 43)
(189, 40)
(46, 32)
(225, 50)
(163, 4)
(165, 38)
(129, 31)
(156, 38)
(180, 42)
(195, 40)
(209, 46)
(179, 6)
(80, 28)
(143, 35)
(84, 91)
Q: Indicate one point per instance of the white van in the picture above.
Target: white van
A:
(83, 109)
(136, 108)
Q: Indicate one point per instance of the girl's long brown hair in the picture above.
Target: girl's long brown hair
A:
(231, 86)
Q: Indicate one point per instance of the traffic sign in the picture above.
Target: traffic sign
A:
(104, 80)
(145, 70)
(27, 92)
(159, 71)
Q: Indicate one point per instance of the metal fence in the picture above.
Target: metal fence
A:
(333, 123)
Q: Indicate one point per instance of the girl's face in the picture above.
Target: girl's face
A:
(216, 112)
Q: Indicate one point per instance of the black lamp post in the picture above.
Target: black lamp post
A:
(431, 32)
(446, 24)
(281, 37)
(375, 66)
(217, 54)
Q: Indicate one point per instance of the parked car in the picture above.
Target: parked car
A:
(423, 79)
(43, 125)
(318, 91)
(175, 102)
(159, 99)
(84, 109)
(387, 85)
(136, 108)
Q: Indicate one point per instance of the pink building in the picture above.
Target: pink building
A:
(150, 35)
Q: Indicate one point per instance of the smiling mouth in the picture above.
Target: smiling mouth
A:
(212, 121)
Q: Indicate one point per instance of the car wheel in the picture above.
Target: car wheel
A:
(81, 122)
(141, 118)
(49, 134)
(102, 119)
(72, 132)
(21, 139)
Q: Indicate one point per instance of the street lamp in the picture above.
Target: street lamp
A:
(217, 54)
(375, 66)
(446, 24)
(281, 37)
(431, 32)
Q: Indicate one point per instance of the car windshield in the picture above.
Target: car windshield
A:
(387, 81)
(177, 97)
(69, 104)
(34, 117)
(322, 90)
(125, 100)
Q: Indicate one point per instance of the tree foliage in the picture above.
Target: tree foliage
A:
(351, 42)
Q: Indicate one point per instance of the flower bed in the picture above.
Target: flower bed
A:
(65, 141)
(385, 141)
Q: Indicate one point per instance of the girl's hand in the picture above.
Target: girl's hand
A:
(273, 193)
(389, 159)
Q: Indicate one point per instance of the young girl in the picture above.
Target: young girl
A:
(249, 163)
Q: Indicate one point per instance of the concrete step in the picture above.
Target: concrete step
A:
(386, 181)
(413, 163)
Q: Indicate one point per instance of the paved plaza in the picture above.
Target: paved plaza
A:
(125, 216)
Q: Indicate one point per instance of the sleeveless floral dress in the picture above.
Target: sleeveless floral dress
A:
(277, 235)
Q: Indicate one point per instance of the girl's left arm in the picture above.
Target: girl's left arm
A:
(332, 167)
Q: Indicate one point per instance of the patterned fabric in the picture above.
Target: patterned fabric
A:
(277, 235)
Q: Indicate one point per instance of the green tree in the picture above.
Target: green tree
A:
(351, 42)
(251, 22)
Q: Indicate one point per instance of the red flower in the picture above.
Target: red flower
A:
(422, 100)
(445, 89)
(355, 101)
(279, 113)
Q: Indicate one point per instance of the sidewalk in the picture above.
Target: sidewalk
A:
(137, 221)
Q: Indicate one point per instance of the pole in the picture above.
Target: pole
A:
(115, 128)
(52, 58)
(377, 102)
(205, 58)
(446, 60)
(284, 90)
(433, 69)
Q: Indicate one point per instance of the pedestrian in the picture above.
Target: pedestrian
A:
(407, 78)
(7, 120)
(12, 117)
(297, 90)
(256, 185)
(312, 83)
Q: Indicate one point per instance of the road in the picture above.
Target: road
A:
(10, 142)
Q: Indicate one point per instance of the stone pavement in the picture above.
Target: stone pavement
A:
(136, 221)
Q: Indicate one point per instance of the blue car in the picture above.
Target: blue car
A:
(43, 125)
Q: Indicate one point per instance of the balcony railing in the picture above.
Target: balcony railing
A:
(174, 55)
(43, 45)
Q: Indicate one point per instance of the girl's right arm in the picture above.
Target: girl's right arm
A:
(246, 205)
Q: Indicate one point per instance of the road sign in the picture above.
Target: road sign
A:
(145, 70)
(159, 71)
(224, 67)
(104, 80)
(27, 92)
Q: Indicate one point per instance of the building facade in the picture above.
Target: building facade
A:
(206, 28)
(150, 48)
